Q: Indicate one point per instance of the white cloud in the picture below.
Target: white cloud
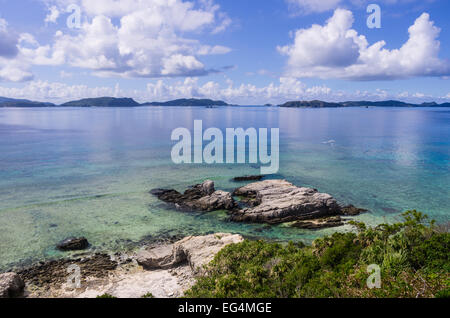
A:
(335, 50)
(132, 38)
(8, 41)
(12, 66)
(286, 89)
(53, 15)
(46, 91)
(14, 71)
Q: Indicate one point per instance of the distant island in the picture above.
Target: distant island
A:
(111, 102)
(189, 102)
(192, 102)
(103, 102)
(388, 103)
(10, 102)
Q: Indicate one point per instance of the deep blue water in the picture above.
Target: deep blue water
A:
(87, 171)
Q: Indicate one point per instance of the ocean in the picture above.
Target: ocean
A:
(88, 171)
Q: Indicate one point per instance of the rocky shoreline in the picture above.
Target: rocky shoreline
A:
(168, 269)
(161, 270)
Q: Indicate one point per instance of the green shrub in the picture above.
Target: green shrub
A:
(445, 293)
(106, 296)
(413, 257)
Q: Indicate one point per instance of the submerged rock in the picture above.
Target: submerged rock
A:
(11, 285)
(278, 201)
(201, 197)
(319, 223)
(197, 251)
(248, 178)
(351, 210)
(73, 244)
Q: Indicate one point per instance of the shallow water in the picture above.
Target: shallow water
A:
(87, 171)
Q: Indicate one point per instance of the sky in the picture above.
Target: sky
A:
(246, 52)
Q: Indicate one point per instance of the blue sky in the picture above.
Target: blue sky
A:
(246, 51)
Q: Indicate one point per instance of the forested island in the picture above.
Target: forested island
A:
(110, 102)
(10, 102)
(189, 102)
(102, 102)
(192, 102)
(388, 103)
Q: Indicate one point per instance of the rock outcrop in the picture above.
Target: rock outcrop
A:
(160, 257)
(11, 285)
(268, 201)
(197, 251)
(201, 197)
(73, 244)
(278, 201)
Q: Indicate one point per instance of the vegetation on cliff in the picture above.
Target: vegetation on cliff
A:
(413, 257)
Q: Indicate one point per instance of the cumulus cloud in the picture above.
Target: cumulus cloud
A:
(8, 41)
(335, 50)
(47, 91)
(285, 89)
(135, 38)
(14, 71)
(12, 66)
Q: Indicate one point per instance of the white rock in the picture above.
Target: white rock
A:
(278, 201)
(11, 285)
(201, 250)
(196, 250)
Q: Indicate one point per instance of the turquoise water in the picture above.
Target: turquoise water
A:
(87, 171)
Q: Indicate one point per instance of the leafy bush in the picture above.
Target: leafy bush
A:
(106, 296)
(413, 257)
